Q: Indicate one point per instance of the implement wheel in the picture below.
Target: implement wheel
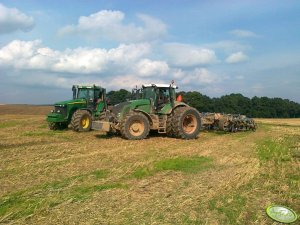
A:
(135, 126)
(186, 123)
(81, 120)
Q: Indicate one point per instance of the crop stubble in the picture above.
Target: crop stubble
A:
(33, 157)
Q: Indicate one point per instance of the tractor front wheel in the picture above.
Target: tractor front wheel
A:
(53, 126)
(81, 120)
(57, 126)
(135, 126)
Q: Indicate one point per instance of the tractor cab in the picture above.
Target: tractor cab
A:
(160, 95)
(94, 95)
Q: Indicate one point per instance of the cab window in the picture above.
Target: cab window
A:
(163, 95)
(85, 93)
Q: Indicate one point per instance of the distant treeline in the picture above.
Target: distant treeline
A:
(259, 107)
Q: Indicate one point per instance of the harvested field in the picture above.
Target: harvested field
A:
(24, 109)
(63, 177)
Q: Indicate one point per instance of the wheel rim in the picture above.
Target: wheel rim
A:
(136, 128)
(85, 121)
(189, 124)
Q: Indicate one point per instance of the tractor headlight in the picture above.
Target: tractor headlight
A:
(60, 110)
(52, 110)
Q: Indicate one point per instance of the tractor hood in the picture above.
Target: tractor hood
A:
(118, 108)
(139, 102)
(124, 107)
(70, 102)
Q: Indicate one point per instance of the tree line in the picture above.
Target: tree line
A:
(258, 107)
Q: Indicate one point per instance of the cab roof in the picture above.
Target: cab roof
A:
(160, 85)
(87, 86)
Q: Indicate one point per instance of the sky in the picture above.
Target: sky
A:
(215, 47)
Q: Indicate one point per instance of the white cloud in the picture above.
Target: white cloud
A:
(110, 25)
(32, 55)
(125, 66)
(236, 57)
(198, 76)
(32, 63)
(188, 55)
(243, 33)
(12, 20)
(126, 53)
(147, 67)
(128, 81)
(229, 46)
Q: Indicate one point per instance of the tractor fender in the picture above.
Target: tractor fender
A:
(75, 109)
(72, 111)
(177, 105)
(89, 110)
(146, 114)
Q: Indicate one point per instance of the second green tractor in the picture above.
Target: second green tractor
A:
(87, 105)
(155, 109)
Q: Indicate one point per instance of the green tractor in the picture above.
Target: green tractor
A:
(87, 104)
(155, 109)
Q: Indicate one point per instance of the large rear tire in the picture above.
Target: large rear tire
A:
(186, 123)
(170, 129)
(135, 126)
(81, 121)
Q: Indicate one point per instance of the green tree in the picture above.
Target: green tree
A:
(116, 97)
(262, 107)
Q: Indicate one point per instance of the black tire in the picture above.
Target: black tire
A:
(81, 121)
(53, 126)
(113, 133)
(63, 126)
(57, 126)
(221, 124)
(170, 129)
(254, 127)
(186, 123)
(233, 128)
(135, 126)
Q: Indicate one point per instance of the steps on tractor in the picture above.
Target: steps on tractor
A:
(162, 124)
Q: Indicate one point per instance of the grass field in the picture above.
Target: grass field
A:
(64, 177)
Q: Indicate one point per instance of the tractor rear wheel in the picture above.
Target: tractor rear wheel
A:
(170, 129)
(135, 126)
(81, 120)
(186, 123)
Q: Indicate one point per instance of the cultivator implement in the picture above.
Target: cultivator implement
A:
(227, 122)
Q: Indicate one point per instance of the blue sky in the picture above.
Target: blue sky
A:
(214, 47)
